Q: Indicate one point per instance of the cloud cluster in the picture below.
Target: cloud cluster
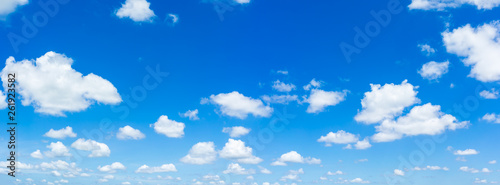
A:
(137, 10)
(73, 92)
(479, 48)
(168, 127)
(441, 5)
(237, 105)
(294, 157)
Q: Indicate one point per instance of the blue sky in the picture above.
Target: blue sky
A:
(253, 92)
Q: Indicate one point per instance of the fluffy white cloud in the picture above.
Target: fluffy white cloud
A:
(97, 149)
(492, 162)
(37, 154)
(421, 120)
(313, 84)
(294, 157)
(169, 128)
(282, 87)
(155, 169)
(386, 102)
(491, 117)
(235, 168)
(359, 181)
(191, 114)
(293, 175)
(338, 172)
(340, 137)
(9, 6)
(237, 131)
(479, 48)
(57, 149)
(319, 99)
(467, 169)
(445, 4)
(280, 99)
(434, 70)
(236, 150)
(432, 168)
(492, 94)
(61, 133)
(73, 92)
(264, 170)
(201, 153)
(61, 166)
(427, 49)
(137, 10)
(466, 152)
(237, 105)
(399, 172)
(127, 132)
(363, 144)
(112, 167)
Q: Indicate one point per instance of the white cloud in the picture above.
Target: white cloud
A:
(492, 94)
(283, 72)
(434, 70)
(73, 92)
(479, 46)
(172, 19)
(280, 99)
(466, 152)
(313, 84)
(201, 153)
(162, 168)
(61, 133)
(319, 99)
(363, 144)
(386, 102)
(69, 168)
(37, 154)
(399, 172)
(445, 4)
(427, 49)
(421, 120)
(97, 149)
(283, 87)
(127, 132)
(340, 137)
(338, 172)
(191, 114)
(293, 175)
(112, 167)
(169, 128)
(242, 1)
(236, 150)
(486, 170)
(294, 157)
(237, 131)
(492, 162)
(264, 170)
(491, 117)
(235, 168)
(237, 105)
(359, 180)
(467, 169)
(432, 168)
(57, 149)
(137, 10)
(9, 6)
